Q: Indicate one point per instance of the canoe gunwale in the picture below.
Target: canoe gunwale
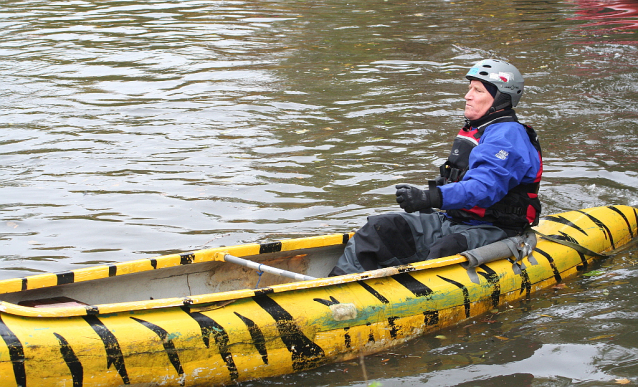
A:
(75, 311)
(45, 280)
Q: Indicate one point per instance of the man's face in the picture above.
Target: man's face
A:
(477, 100)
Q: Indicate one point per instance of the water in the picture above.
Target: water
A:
(132, 129)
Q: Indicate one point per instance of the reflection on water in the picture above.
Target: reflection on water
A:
(575, 362)
(132, 129)
(616, 16)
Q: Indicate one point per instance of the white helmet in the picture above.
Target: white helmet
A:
(507, 79)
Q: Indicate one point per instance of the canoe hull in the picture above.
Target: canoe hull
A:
(256, 333)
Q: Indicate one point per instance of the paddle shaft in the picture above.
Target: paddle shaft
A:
(267, 269)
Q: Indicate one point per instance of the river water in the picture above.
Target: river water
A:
(138, 128)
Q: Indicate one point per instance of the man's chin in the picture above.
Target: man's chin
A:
(469, 116)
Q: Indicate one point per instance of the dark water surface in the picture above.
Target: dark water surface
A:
(137, 128)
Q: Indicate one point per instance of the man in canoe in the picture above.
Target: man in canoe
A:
(488, 187)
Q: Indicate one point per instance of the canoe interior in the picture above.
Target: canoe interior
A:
(186, 280)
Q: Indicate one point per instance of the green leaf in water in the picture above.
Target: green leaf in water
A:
(594, 273)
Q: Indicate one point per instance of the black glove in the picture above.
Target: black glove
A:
(412, 199)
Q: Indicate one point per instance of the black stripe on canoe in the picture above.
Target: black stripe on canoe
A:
(557, 276)
(526, 283)
(112, 270)
(114, 354)
(602, 225)
(71, 360)
(561, 220)
(431, 317)
(16, 353)
(168, 344)
(258, 337)
(154, 263)
(330, 302)
(394, 330)
(186, 258)
(466, 294)
(210, 327)
(570, 239)
(66, 278)
(273, 247)
(631, 232)
(346, 238)
(92, 310)
(306, 354)
(372, 291)
(347, 340)
(412, 284)
(371, 335)
(24, 284)
(492, 277)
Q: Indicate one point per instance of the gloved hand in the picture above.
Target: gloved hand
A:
(412, 199)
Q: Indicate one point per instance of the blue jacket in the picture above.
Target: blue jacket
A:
(502, 159)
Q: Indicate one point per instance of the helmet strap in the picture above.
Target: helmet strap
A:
(501, 101)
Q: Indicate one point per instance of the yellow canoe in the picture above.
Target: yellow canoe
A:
(195, 319)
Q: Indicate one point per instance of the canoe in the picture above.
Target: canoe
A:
(196, 319)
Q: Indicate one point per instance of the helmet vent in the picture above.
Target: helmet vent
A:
(487, 66)
(484, 73)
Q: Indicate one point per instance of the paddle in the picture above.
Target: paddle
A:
(260, 267)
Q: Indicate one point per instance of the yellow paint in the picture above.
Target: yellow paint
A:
(41, 281)
(91, 273)
(11, 285)
(305, 243)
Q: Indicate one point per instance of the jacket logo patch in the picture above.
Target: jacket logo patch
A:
(502, 155)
